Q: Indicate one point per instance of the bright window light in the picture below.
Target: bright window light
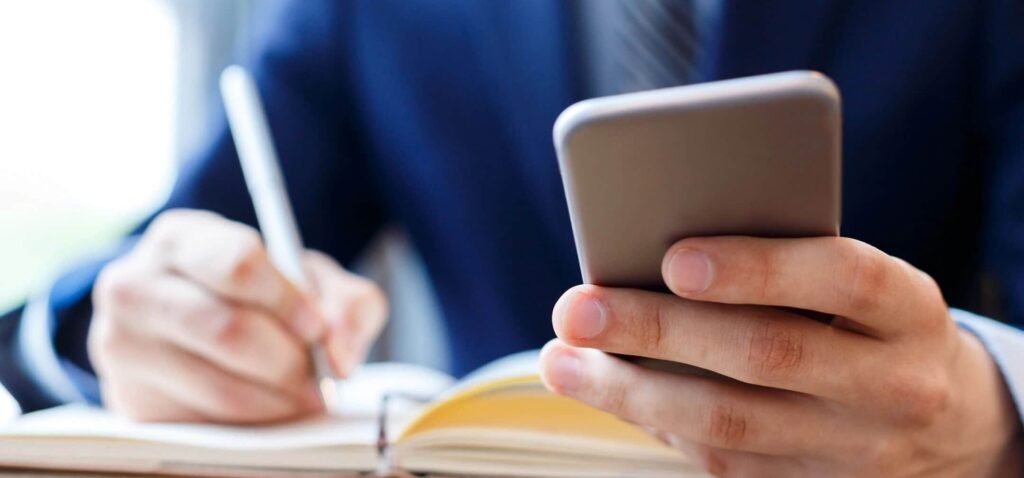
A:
(87, 137)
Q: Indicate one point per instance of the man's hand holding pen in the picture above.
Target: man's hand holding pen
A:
(196, 324)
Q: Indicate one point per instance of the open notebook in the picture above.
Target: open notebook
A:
(499, 421)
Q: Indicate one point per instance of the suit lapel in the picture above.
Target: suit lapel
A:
(769, 36)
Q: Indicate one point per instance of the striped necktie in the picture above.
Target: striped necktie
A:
(655, 44)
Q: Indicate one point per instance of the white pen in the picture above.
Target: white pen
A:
(262, 172)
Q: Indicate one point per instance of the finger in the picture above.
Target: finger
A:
(119, 392)
(707, 411)
(240, 340)
(756, 345)
(214, 394)
(229, 258)
(354, 308)
(838, 276)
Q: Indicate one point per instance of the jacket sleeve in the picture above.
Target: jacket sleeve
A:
(1002, 132)
(301, 68)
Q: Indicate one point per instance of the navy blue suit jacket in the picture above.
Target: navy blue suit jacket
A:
(437, 115)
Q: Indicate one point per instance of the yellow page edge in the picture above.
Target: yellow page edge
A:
(415, 426)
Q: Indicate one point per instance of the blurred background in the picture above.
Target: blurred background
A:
(90, 136)
(101, 101)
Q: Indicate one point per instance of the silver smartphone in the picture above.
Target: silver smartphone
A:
(756, 156)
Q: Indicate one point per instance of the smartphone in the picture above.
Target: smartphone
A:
(756, 156)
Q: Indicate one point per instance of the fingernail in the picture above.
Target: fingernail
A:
(586, 318)
(564, 374)
(306, 322)
(689, 271)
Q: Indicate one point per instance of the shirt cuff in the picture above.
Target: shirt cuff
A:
(39, 356)
(1006, 346)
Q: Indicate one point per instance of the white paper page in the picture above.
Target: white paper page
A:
(361, 394)
(81, 421)
(360, 397)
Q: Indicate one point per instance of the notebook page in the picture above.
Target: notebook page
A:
(81, 421)
(360, 397)
(361, 394)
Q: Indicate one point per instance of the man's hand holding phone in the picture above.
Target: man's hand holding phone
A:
(196, 324)
(891, 388)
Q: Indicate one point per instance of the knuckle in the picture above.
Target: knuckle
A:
(726, 427)
(923, 401)
(865, 273)
(918, 396)
(644, 325)
(937, 319)
(649, 327)
(766, 271)
(114, 287)
(246, 258)
(231, 329)
(167, 221)
(929, 285)
(931, 403)
(166, 227)
(209, 319)
(773, 351)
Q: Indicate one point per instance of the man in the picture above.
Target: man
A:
(437, 115)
